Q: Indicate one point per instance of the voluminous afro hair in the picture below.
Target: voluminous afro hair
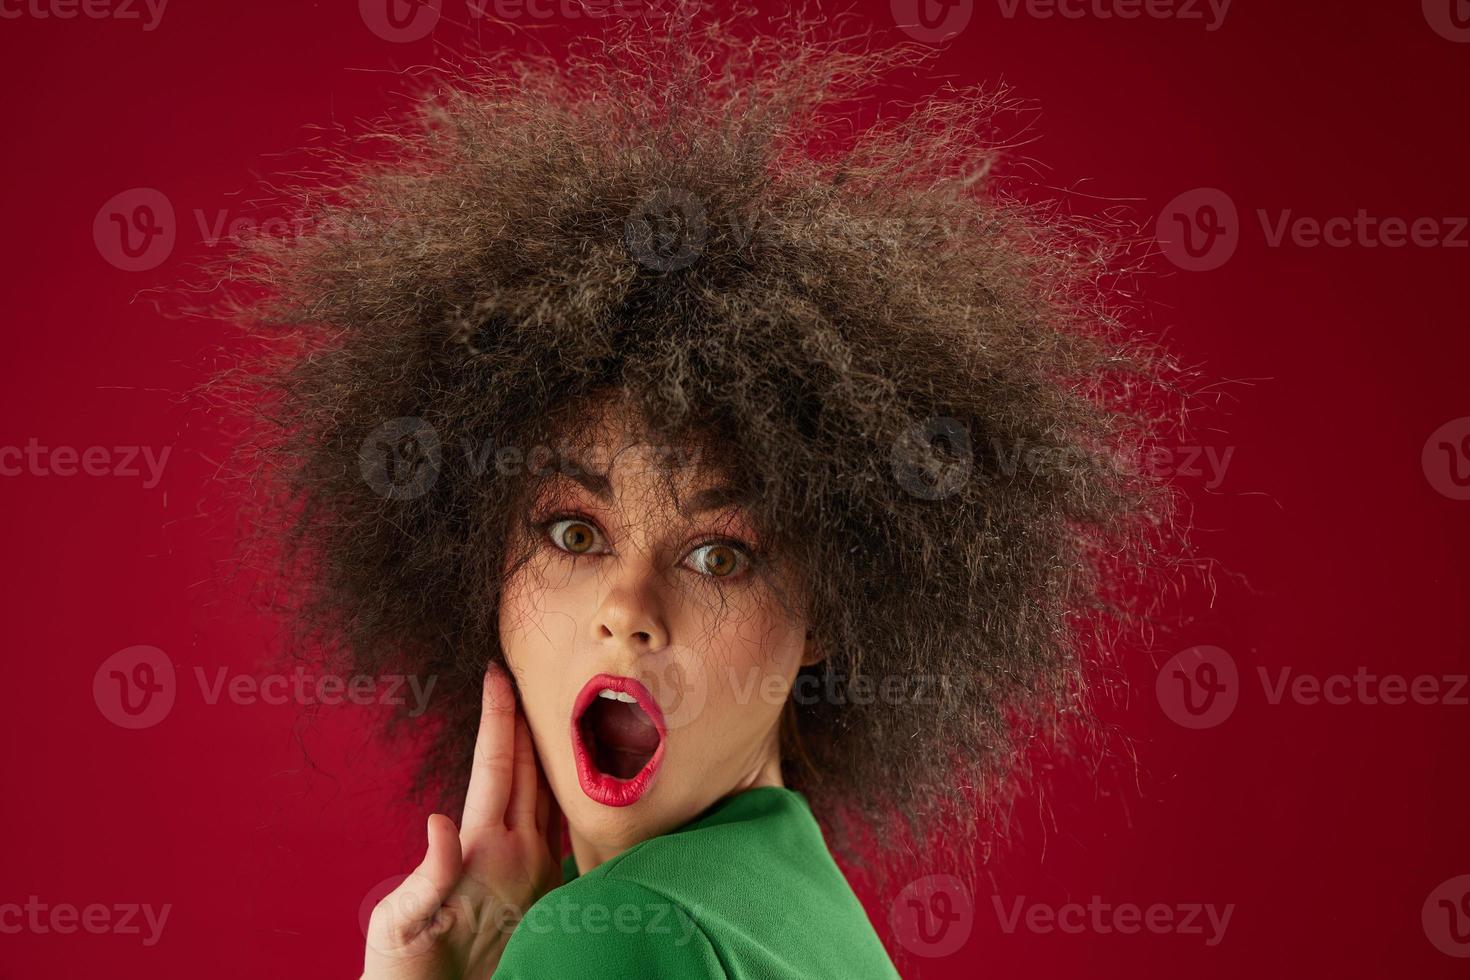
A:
(921, 379)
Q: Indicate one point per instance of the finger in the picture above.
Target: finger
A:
(523, 787)
(491, 772)
(414, 905)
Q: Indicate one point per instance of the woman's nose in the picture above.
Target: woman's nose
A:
(631, 612)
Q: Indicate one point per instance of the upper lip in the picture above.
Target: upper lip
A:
(622, 685)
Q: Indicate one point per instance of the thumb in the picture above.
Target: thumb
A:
(413, 907)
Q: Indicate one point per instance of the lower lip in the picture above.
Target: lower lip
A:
(599, 786)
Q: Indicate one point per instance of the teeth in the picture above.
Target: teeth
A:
(617, 696)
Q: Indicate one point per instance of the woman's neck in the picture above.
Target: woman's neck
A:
(589, 853)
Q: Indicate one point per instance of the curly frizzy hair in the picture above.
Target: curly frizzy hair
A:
(923, 378)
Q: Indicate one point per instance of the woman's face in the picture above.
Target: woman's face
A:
(652, 660)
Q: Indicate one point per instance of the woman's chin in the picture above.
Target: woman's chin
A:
(613, 829)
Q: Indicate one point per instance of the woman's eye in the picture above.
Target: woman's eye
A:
(571, 534)
(717, 560)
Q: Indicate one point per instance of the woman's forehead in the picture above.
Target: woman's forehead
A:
(633, 458)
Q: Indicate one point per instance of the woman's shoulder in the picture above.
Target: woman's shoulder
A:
(700, 902)
(600, 925)
(768, 835)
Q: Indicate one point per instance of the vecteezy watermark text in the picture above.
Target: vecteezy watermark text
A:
(137, 687)
(1211, 13)
(1125, 918)
(394, 20)
(148, 12)
(327, 689)
(935, 458)
(383, 907)
(1201, 686)
(1364, 687)
(402, 458)
(1200, 229)
(34, 459)
(65, 919)
(1363, 230)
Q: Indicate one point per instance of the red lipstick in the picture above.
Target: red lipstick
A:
(595, 771)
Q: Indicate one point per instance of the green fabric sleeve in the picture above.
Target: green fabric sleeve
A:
(604, 928)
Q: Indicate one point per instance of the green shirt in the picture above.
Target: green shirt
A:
(746, 890)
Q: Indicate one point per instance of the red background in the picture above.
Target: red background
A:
(1326, 826)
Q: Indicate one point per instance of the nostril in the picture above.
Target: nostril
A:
(635, 637)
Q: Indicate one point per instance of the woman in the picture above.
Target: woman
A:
(747, 477)
(654, 664)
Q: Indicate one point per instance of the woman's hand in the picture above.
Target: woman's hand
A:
(451, 918)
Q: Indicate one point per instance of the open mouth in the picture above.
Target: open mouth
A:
(618, 738)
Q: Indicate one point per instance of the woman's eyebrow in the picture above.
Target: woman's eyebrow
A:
(717, 498)
(595, 483)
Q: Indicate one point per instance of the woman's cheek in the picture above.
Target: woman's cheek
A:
(736, 716)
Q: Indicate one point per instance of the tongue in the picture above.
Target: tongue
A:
(624, 727)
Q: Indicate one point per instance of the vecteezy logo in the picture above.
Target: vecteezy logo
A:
(1449, 18)
(135, 229)
(1199, 687)
(667, 232)
(932, 21)
(681, 684)
(932, 459)
(1199, 230)
(933, 916)
(377, 894)
(1446, 459)
(134, 688)
(399, 20)
(1446, 917)
(400, 459)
